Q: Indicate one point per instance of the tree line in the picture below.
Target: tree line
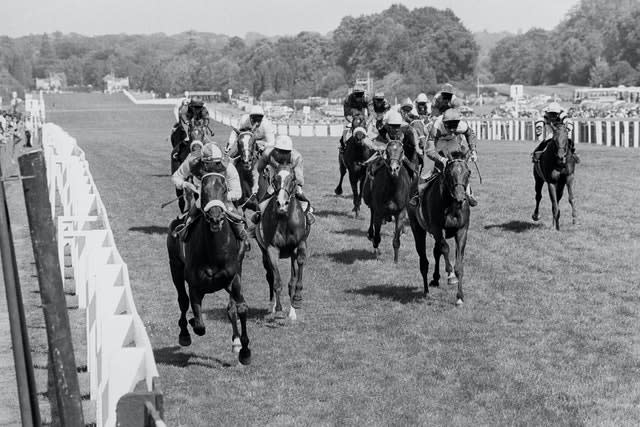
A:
(597, 44)
(405, 51)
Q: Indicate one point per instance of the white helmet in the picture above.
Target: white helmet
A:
(554, 107)
(360, 129)
(211, 152)
(186, 94)
(195, 145)
(422, 98)
(284, 143)
(394, 118)
(256, 110)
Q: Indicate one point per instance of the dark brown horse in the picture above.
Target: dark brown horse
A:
(244, 160)
(387, 195)
(414, 135)
(355, 153)
(282, 233)
(210, 260)
(181, 149)
(443, 212)
(555, 167)
(358, 121)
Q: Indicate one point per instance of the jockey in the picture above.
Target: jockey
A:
(444, 100)
(199, 162)
(409, 114)
(356, 103)
(449, 134)
(183, 102)
(255, 122)
(282, 153)
(191, 111)
(422, 107)
(393, 131)
(554, 115)
(380, 107)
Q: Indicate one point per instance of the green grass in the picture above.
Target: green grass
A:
(548, 334)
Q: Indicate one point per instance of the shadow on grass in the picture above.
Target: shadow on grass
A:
(220, 314)
(515, 226)
(358, 232)
(151, 229)
(401, 294)
(177, 356)
(350, 256)
(324, 213)
(160, 175)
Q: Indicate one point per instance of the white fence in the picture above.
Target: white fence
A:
(119, 354)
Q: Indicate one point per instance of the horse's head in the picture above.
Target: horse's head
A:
(284, 183)
(456, 177)
(196, 134)
(246, 147)
(213, 194)
(561, 138)
(394, 154)
(358, 121)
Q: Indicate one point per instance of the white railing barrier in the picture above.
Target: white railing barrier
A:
(119, 354)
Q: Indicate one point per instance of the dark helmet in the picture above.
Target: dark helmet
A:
(451, 118)
(196, 101)
(447, 88)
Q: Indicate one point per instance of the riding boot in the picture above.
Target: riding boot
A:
(472, 200)
(537, 153)
(309, 212)
(241, 234)
(182, 229)
(572, 148)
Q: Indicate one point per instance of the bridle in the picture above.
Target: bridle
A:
(215, 202)
(449, 165)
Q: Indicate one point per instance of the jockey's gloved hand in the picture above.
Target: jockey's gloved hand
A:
(474, 156)
(189, 186)
(444, 161)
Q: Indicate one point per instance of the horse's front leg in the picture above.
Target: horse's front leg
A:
(400, 220)
(300, 259)
(238, 308)
(273, 254)
(461, 243)
(343, 171)
(555, 209)
(419, 238)
(574, 213)
(377, 224)
(177, 274)
(196, 306)
(538, 187)
(353, 180)
(437, 252)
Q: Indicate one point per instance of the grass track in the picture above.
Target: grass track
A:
(548, 334)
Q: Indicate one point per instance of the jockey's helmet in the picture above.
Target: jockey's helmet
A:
(196, 101)
(451, 118)
(211, 152)
(284, 143)
(422, 98)
(358, 89)
(256, 114)
(195, 146)
(186, 94)
(447, 88)
(378, 95)
(394, 118)
(407, 105)
(553, 111)
(359, 132)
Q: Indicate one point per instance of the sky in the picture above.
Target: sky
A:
(268, 17)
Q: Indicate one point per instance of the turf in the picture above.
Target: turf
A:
(548, 334)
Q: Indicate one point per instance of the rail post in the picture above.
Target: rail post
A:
(27, 392)
(54, 305)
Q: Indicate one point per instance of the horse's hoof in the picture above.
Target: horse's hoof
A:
(292, 314)
(459, 302)
(245, 356)
(235, 346)
(434, 283)
(535, 217)
(198, 330)
(338, 191)
(184, 340)
(452, 280)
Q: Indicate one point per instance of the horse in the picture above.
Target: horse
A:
(443, 212)
(357, 121)
(282, 233)
(181, 149)
(556, 167)
(247, 155)
(416, 130)
(210, 260)
(387, 195)
(356, 152)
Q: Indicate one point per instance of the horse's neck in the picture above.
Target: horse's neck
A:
(208, 244)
